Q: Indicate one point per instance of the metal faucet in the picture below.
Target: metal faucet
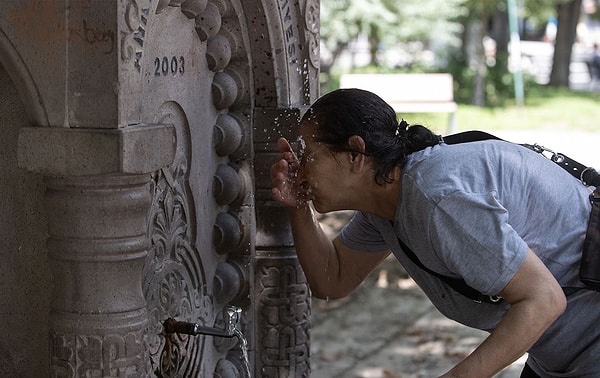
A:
(231, 317)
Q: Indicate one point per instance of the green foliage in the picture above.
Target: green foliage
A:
(426, 20)
(389, 23)
(539, 11)
(344, 20)
(413, 26)
(536, 11)
(544, 109)
(499, 81)
(464, 77)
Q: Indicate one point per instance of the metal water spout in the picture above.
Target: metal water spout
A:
(231, 318)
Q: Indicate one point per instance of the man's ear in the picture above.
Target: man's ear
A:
(357, 143)
(357, 154)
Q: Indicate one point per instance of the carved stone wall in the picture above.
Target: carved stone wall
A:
(153, 123)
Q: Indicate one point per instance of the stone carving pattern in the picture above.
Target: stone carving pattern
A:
(85, 338)
(311, 23)
(285, 312)
(174, 278)
(99, 356)
(132, 40)
(175, 281)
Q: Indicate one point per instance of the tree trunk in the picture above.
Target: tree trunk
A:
(326, 66)
(479, 58)
(568, 16)
(499, 30)
(374, 45)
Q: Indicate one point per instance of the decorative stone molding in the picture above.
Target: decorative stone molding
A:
(98, 332)
(284, 317)
(59, 151)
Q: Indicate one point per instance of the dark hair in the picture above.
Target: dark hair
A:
(343, 113)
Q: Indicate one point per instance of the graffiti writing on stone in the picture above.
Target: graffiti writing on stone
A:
(96, 35)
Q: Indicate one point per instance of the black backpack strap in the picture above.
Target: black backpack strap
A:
(468, 136)
(587, 175)
(460, 286)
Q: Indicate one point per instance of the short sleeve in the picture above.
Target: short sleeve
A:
(362, 234)
(471, 233)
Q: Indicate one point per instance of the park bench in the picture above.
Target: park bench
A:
(410, 93)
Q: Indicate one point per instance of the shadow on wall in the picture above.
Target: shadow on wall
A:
(25, 276)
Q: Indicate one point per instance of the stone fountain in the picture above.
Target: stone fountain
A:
(136, 138)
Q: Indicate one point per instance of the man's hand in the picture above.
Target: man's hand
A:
(283, 177)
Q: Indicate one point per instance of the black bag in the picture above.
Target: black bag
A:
(589, 271)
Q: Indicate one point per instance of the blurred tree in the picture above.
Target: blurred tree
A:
(386, 23)
(568, 16)
(454, 27)
(489, 18)
(343, 21)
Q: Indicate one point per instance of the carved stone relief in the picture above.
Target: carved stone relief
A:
(201, 216)
(174, 275)
(284, 317)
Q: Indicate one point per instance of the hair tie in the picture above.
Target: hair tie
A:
(401, 127)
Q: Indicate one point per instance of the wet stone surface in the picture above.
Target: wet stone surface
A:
(387, 328)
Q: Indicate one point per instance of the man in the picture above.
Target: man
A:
(503, 219)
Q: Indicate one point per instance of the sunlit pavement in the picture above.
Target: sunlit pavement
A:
(388, 328)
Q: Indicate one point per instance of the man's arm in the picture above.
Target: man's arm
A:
(537, 300)
(332, 269)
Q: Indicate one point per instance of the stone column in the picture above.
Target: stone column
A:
(280, 291)
(96, 246)
(282, 295)
(97, 202)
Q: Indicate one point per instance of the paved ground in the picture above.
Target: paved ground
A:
(387, 328)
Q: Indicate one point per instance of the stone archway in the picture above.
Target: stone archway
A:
(25, 278)
(156, 156)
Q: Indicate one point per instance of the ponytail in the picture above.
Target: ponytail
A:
(419, 137)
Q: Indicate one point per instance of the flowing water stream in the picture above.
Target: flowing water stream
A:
(244, 347)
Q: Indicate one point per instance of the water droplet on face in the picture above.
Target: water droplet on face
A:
(300, 147)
